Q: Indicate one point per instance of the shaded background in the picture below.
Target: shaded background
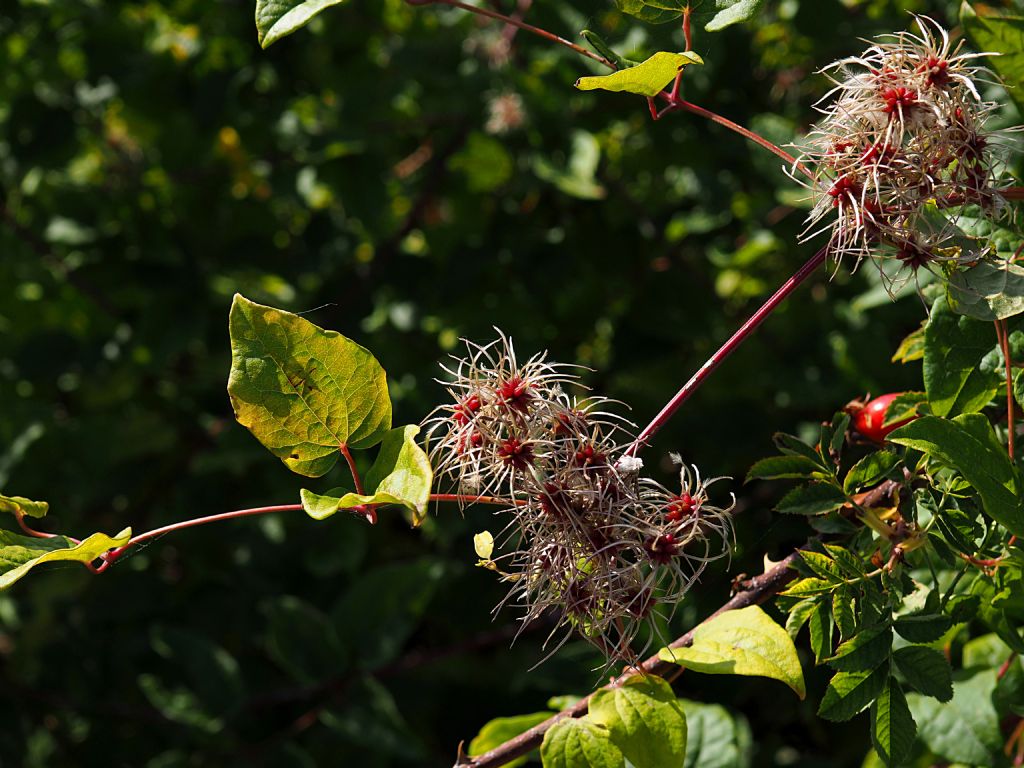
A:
(406, 176)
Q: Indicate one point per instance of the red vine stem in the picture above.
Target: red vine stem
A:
(115, 554)
(550, 36)
(728, 348)
(20, 517)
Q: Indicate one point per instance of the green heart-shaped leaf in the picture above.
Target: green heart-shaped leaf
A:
(301, 390)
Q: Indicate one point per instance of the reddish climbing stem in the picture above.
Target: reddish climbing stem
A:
(115, 554)
(728, 348)
(20, 517)
(687, 34)
(352, 468)
(550, 36)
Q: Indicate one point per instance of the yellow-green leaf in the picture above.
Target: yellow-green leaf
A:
(742, 642)
(579, 742)
(19, 504)
(20, 554)
(645, 720)
(303, 391)
(400, 475)
(646, 78)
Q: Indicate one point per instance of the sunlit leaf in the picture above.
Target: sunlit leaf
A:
(301, 390)
(20, 554)
(742, 642)
(401, 475)
(19, 504)
(579, 742)
(279, 18)
(644, 719)
(646, 78)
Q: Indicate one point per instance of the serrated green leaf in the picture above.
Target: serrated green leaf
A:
(20, 554)
(870, 470)
(646, 78)
(501, 729)
(813, 499)
(303, 391)
(844, 611)
(850, 564)
(742, 642)
(732, 12)
(850, 693)
(893, 729)
(987, 291)
(808, 587)
(823, 565)
(954, 347)
(965, 729)
(279, 18)
(798, 616)
(820, 626)
(644, 719)
(400, 475)
(969, 445)
(1002, 35)
(863, 652)
(716, 737)
(579, 742)
(19, 504)
(926, 669)
(784, 467)
(922, 627)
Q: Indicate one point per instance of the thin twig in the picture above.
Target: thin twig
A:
(550, 36)
(728, 348)
(756, 591)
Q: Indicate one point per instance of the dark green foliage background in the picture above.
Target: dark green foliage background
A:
(153, 161)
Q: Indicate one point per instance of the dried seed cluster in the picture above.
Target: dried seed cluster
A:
(588, 540)
(902, 149)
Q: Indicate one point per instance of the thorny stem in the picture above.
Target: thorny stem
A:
(551, 36)
(755, 591)
(727, 349)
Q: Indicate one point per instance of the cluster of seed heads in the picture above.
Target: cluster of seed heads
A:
(589, 541)
(902, 150)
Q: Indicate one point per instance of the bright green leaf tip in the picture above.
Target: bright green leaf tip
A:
(646, 79)
(401, 475)
(279, 18)
(19, 504)
(742, 642)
